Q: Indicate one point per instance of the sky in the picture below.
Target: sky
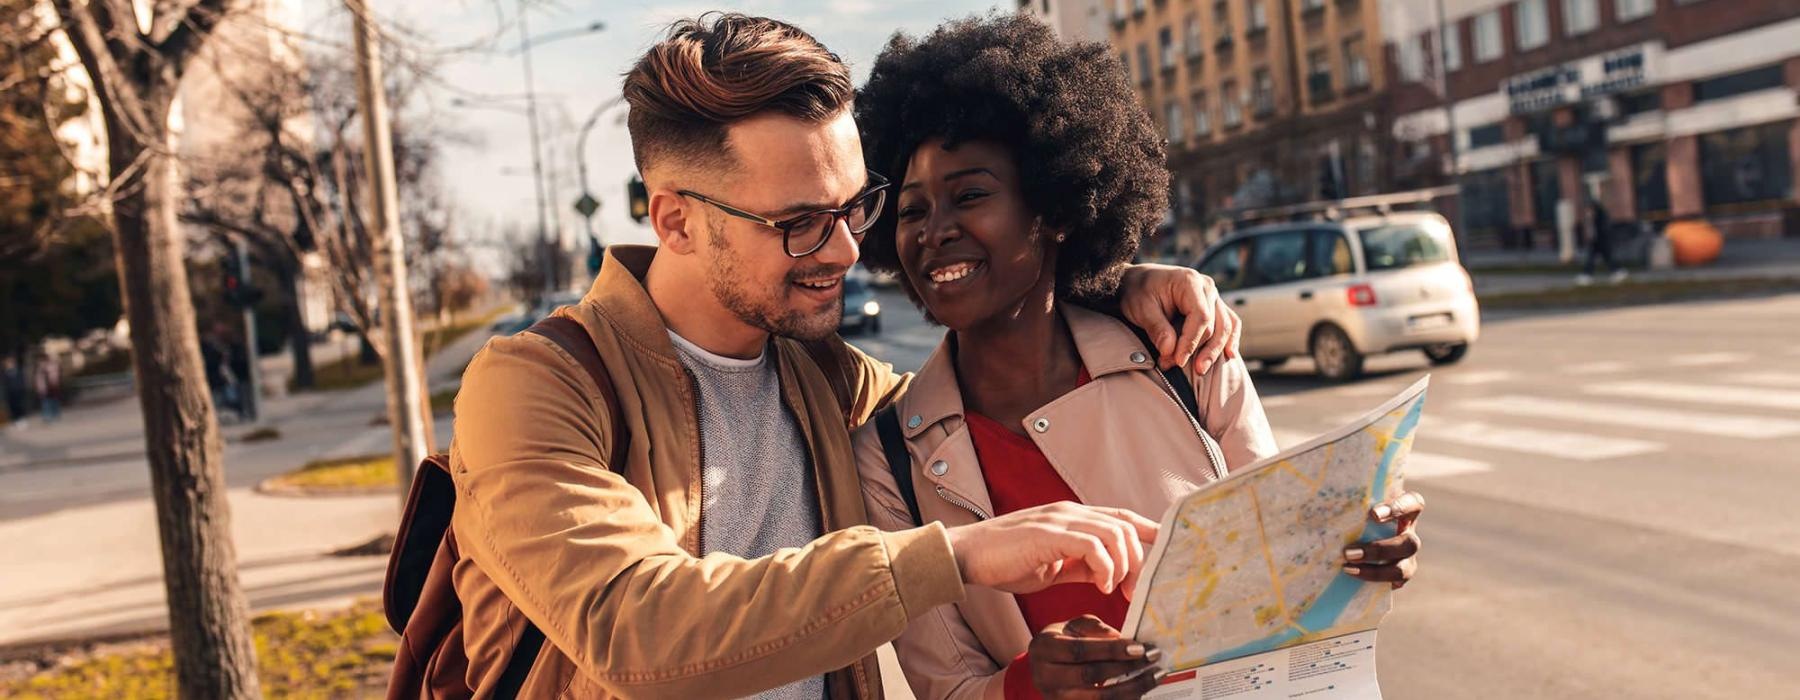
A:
(489, 176)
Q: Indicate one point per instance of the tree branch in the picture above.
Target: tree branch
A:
(189, 31)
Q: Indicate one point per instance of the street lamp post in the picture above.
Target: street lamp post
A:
(588, 204)
(548, 265)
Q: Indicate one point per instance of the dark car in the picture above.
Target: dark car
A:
(862, 312)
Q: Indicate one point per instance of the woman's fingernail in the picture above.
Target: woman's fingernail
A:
(1134, 650)
(1154, 655)
(1353, 553)
(1353, 570)
(1383, 511)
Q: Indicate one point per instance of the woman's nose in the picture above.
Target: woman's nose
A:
(940, 228)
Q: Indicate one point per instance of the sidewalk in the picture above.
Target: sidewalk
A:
(1524, 272)
(78, 528)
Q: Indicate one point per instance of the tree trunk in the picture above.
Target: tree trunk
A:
(209, 619)
(299, 339)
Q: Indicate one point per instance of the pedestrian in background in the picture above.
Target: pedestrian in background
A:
(48, 382)
(12, 383)
(1600, 246)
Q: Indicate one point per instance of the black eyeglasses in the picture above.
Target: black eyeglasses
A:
(805, 234)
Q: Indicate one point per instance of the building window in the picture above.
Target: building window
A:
(1490, 135)
(1531, 23)
(1191, 35)
(1736, 84)
(1202, 115)
(1144, 70)
(1746, 165)
(1137, 7)
(1165, 43)
(1489, 201)
(1639, 103)
(1262, 97)
(1222, 21)
(1230, 102)
(1318, 73)
(1172, 111)
(1452, 48)
(1650, 178)
(1311, 5)
(1487, 36)
(1411, 56)
(1258, 12)
(1580, 16)
(1633, 9)
(1356, 65)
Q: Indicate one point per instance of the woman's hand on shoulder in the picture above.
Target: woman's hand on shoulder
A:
(1151, 296)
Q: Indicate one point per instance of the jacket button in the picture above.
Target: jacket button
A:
(1138, 357)
(939, 467)
(913, 422)
(1041, 425)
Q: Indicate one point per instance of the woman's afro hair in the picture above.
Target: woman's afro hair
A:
(1091, 162)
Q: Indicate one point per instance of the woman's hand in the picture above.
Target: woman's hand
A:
(1395, 559)
(1078, 658)
(1152, 295)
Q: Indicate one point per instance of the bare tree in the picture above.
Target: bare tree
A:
(136, 75)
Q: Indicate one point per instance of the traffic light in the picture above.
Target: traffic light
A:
(639, 198)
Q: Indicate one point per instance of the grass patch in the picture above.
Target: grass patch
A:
(364, 472)
(346, 653)
(1638, 293)
(349, 372)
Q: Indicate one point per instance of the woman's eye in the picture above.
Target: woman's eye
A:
(910, 213)
(970, 195)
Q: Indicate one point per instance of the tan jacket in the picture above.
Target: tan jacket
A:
(609, 567)
(1120, 440)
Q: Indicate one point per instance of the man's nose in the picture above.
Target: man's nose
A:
(840, 247)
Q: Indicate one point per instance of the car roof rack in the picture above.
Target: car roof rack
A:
(1338, 209)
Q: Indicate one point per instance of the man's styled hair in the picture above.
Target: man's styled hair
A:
(721, 67)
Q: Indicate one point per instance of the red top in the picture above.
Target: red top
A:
(1018, 476)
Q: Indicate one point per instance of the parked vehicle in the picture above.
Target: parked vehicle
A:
(862, 312)
(1341, 291)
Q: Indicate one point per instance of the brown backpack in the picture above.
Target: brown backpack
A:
(419, 595)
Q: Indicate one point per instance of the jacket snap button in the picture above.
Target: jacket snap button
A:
(1138, 357)
(1041, 425)
(913, 422)
(939, 467)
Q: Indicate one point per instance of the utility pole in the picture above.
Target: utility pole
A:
(404, 376)
(548, 264)
(1443, 81)
(252, 394)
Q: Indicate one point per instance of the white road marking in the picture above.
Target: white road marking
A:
(1603, 367)
(1771, 379)
(1474, 378)
(1279, 401)
(1584, 447)
(1708, 359)
(1754, 427)
(1425, 465)
(1701, 393)
(1360, 390)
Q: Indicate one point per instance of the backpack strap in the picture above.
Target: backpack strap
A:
(568, 334)
(893, 445)
(1177, 375)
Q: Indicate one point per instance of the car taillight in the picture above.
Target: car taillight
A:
(1360, 295)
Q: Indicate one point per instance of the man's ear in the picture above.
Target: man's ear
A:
(669, 218)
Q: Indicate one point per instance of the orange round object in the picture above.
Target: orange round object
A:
(1694, 242)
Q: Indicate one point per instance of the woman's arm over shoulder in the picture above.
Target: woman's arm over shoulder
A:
(1233, 413)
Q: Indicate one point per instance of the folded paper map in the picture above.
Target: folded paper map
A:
(1245, 591)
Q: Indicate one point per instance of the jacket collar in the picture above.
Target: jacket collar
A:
(618, 293)
(1106, 346)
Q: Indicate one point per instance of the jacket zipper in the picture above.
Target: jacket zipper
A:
(1216, 460)
(700, 445)
(963, 503)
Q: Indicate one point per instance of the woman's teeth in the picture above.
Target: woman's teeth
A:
(952, 273)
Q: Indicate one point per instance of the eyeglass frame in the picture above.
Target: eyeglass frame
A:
(878, 185)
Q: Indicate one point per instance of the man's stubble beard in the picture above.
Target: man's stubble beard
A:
(765, 310)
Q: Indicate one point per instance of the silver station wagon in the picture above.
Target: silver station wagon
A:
(1340, 291)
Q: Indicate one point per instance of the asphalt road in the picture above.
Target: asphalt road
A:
(1614, 501)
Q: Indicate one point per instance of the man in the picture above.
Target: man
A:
(1599, 246)
(728, 554)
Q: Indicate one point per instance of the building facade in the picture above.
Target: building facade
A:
(1264, 102)
(1073, 20)
(1657, 109)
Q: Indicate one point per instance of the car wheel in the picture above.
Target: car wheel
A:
(1446, 353)
(1335, 356)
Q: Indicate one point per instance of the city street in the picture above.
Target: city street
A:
(1611, 498)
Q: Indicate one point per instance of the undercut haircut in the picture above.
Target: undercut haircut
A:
(717, 69)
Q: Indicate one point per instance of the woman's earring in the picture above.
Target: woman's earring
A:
(1060, 237)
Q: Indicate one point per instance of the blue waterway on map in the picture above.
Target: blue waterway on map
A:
(1330, 605)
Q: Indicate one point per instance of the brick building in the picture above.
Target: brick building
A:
(1073, 20)
(1661, 109)
(1264, 102)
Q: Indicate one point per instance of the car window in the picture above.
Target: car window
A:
(1396, 246)
(1226, 266)
(1330, 254)
(1279, 258)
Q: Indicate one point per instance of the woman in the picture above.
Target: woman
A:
(1026, 173)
